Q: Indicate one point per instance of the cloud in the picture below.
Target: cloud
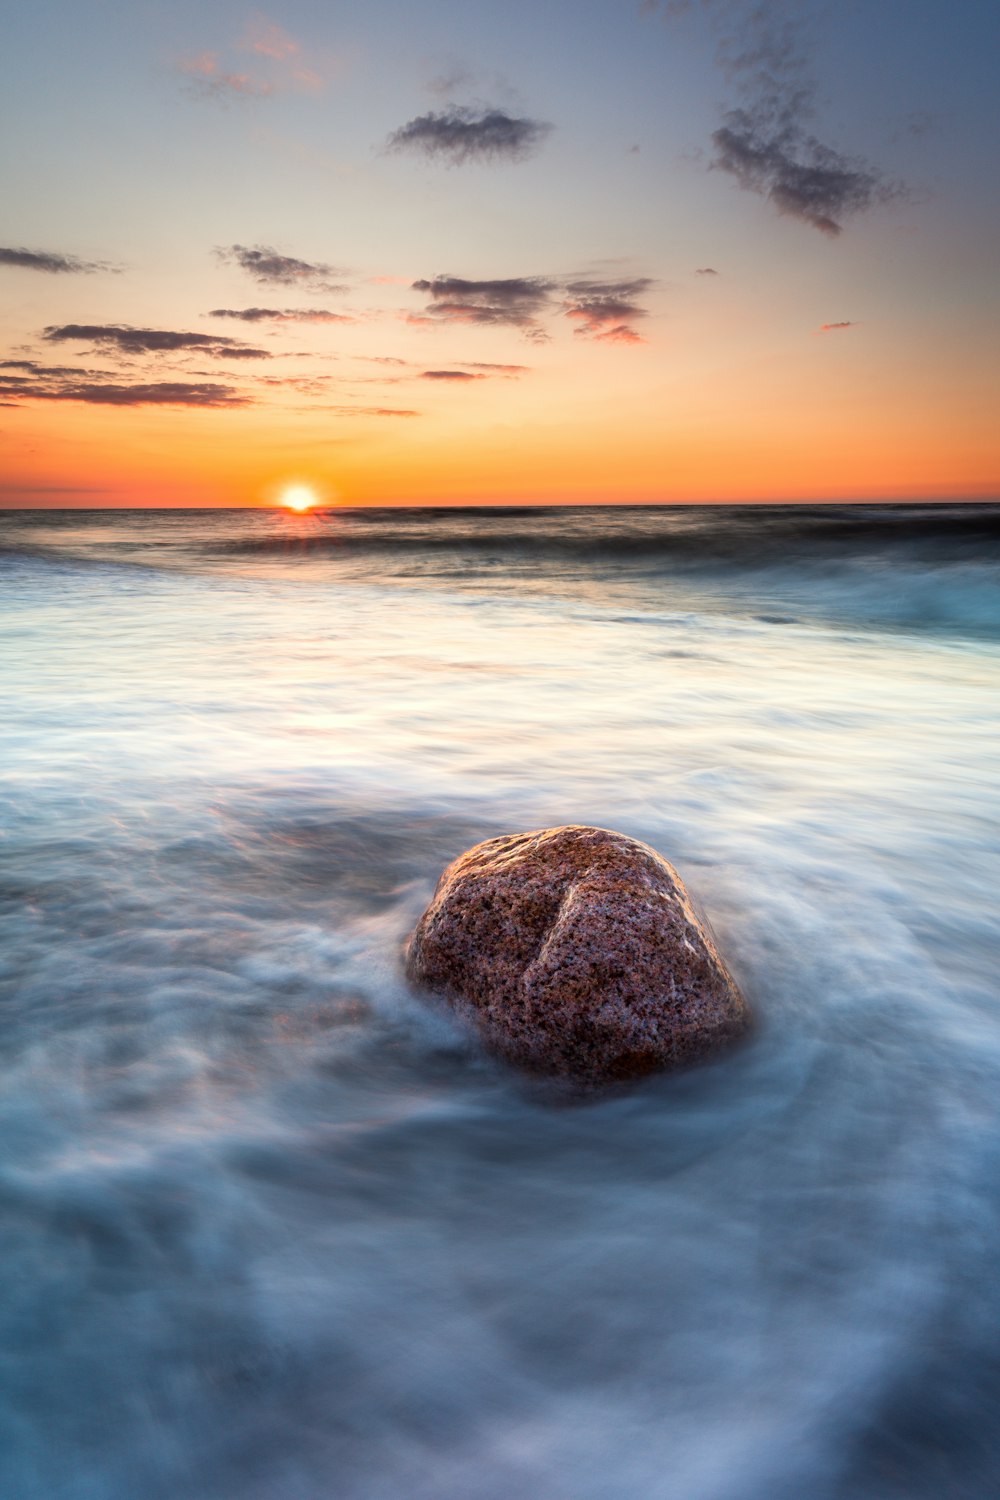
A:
(268, 40)
(706, 271)
(101, 393)
(834, 327)
(53, 489)
(770, 153)
(284, 53)
(766, 140)
(273, 50)
(514, 302)
(128, 340)
(281, 315)
(208, 80)
(372, 411)
(605, 310)
(476, 369)
(460, 134)
(305, 385)
(452, 375)
(456, 79)
(55, 265)
(33, 368)
(270, 268)
(511, 371)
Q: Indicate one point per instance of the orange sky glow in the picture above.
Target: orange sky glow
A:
(310, 260)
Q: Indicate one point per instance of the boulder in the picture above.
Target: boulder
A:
(576, 951)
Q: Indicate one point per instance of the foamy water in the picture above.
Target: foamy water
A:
(273, 1228)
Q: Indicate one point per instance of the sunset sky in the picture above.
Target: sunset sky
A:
(454, 252)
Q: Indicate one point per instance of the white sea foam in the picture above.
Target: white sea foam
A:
(273, 1226)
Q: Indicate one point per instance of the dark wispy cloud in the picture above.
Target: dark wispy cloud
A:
(53, 489)
(452, 375)
(32, 367)
(836, 327)
(281, 315)
(54, 265)
(767, 139)
(769, 152)
(606, 310)
(511, 371)
(270, 268)
(308, 385)
(372, 411)
(706, 271)
(456, 78)
(461, 134)
(126, 340)
(476, 369)
(111, 393)
(515, 302)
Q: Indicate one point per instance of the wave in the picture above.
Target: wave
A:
(713, 533)
(902, 566)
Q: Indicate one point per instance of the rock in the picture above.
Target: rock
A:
(575, 951)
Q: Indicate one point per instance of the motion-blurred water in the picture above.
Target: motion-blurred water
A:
(271, 1228)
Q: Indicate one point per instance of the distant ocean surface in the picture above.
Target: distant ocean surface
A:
(273, 1228)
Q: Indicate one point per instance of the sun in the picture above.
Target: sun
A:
(299, 497)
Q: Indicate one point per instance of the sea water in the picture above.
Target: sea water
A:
(272, 1227)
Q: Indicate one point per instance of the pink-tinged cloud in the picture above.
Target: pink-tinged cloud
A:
(268, 40)
(706, 271)
(835, 327)
(280, 66)
(203, 64)
(605, 310)
(621, 333)
(210, 81)
(514, 302)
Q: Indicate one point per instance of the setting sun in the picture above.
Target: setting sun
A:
(299, 497)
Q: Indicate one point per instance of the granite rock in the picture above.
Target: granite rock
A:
(576, 951)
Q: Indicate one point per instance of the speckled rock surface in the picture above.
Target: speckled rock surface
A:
(576, 952)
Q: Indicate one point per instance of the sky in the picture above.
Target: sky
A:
(619, 251)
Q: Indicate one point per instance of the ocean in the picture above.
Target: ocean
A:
(274, 1228)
